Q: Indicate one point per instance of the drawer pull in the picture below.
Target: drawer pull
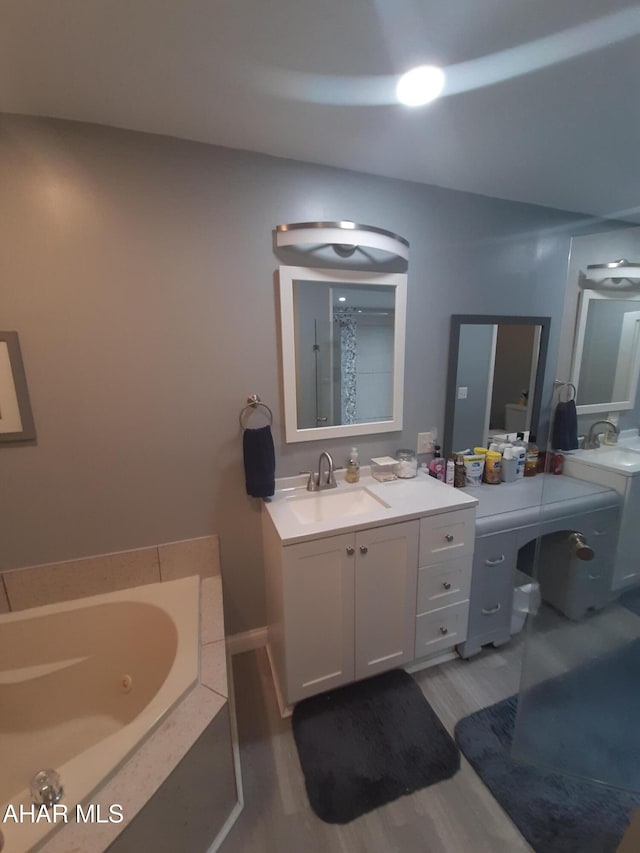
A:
(444, 630)
(446, 584)
(449, 537)
(495, 562)
(363, 549)
(350, 551)
(599, 532)
(594, 577)
(491, 610)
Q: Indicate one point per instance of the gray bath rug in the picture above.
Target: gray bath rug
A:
(368, 743)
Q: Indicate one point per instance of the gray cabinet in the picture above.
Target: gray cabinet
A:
(491, 597)
(571, 585)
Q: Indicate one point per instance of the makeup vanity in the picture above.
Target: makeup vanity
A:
(510, 517)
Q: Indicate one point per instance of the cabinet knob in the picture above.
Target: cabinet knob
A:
(444, 630)
(449, 537)
(363, 549)
(446, 584)
(350, 551)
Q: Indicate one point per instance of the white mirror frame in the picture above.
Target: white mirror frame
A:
(587, 296)
(288, 275)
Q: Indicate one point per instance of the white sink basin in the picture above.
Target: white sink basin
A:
(614, 458)
(334, 504)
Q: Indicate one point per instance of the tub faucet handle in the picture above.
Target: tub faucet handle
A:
(46, 787)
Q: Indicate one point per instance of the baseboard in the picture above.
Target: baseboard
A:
(285, 710)
(245, 641)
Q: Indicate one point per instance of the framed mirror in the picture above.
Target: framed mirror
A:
(495, 376)
(606, 354)
(343, 337)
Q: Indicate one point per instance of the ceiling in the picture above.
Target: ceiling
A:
(541, 103)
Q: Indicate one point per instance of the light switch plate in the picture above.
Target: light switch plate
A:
(462, 392)
(425, 442)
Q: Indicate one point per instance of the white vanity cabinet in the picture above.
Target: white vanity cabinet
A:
(626, 482)
(340, 607)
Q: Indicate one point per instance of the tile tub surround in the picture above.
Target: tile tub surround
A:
(53, 582)
(143, 773)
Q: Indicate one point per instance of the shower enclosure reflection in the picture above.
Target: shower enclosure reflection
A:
(344, 354)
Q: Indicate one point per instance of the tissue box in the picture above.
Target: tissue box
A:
(383, 468)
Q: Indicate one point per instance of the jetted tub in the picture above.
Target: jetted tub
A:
(83, 682)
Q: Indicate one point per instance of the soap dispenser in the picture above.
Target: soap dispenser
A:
(353, 467)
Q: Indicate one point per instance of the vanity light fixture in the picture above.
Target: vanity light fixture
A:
(615, 275)
(420, 85)
(344, 236)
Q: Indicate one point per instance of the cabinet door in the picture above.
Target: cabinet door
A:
(386, 582)
(318, 589)
(491, 598)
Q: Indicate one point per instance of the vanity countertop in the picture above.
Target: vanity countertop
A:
(397, 500)
(535, 499)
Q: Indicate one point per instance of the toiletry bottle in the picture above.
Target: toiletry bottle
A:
(492, 463)
(353, 467)
(509, 466)
(520, 451)
(450, 473)
(531, 462)
(459, 474)
(438, 466)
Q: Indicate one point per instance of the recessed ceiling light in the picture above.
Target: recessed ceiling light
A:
(420, 85)
(342, 298)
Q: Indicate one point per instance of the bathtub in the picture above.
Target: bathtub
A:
(81, 685)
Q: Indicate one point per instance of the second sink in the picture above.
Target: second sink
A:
(327, 506)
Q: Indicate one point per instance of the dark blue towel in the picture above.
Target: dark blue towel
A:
(259, 462)
(565, 427)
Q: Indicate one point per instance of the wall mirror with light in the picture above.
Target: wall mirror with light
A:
(343, 343)
(495, 377)
(606, 354)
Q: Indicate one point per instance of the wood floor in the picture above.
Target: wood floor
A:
(456, 816)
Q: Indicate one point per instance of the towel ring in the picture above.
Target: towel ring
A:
(253, 401)
(570, 386)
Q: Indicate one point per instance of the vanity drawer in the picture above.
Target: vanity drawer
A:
(494, 563)
(447, 535)
(443, 584)
(441, 629)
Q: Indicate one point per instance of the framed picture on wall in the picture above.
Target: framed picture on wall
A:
(16, 419)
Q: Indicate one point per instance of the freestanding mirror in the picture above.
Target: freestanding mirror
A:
(495, 376)
(343, 335)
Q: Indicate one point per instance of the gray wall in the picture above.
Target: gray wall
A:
(139, 272)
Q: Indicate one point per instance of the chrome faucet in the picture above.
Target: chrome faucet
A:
(316, 481)
(592, 441)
